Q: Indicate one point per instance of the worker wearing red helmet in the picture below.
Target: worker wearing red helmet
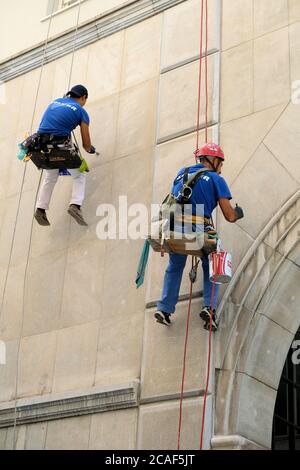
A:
(210, 190)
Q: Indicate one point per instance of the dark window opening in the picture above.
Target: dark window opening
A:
(286, 422)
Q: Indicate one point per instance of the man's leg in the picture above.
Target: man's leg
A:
(78, 190)
(45, 195)
(172, 282)
(208, 302)
(46, 190)
(78, 194)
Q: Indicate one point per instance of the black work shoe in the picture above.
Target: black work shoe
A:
(214, 324)
(162, 317)
(205, 314)
(41, 217)
(75, 212)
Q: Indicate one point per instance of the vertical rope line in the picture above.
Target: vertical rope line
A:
(31, 230)
(74, 46)
(25, 167)
(208, 365)
(184, 361)
(191, 286)
(200, 74)
(206, 71)
(18, 210)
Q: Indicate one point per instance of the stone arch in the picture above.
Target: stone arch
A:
(260, 315)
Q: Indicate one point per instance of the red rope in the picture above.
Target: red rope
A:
(184, 361)
(191, 284)
(208, 365)
(206, 71)
(200, 73)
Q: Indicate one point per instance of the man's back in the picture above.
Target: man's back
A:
(208, 190)
(62, 117)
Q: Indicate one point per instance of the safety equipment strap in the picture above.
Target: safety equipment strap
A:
(187, 188)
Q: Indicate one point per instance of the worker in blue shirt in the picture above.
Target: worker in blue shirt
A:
(210, 190)
(59, 120)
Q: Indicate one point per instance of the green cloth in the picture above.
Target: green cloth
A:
(142, 264)
(84, 166)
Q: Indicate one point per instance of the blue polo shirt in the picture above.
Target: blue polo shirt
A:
(62, 117)
(208, 190)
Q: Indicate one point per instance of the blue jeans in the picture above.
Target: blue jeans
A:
(172, 283)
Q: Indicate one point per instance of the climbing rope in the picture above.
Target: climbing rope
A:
(25, 167)
(16, 220)
(184, 359)
(74, 45)
(36, 196)
(208, 366)
(206, 71)
(213, 283)
(204, 8)
(200, 75)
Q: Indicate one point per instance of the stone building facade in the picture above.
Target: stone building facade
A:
(85, 360)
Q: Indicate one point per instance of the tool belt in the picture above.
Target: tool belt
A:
(167, 230)
(49, 152)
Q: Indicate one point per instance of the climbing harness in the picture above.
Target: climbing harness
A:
(170, 230)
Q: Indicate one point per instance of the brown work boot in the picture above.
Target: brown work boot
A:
(76, 213)
(41, 217)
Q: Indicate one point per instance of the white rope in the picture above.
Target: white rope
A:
(18, 210)
(31, 230)
(25, 166)
(74, 46)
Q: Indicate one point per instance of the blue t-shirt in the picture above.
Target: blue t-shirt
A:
(62, 117)
(207, 191)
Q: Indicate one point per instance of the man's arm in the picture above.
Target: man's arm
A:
(231, 214)
(85, 135)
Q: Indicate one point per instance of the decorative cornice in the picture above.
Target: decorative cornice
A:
(49, 407)
(87, 34)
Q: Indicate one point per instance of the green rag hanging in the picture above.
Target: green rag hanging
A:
(142, 264)
(84, 166)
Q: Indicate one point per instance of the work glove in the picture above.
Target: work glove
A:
(239, 212)
(92, 149)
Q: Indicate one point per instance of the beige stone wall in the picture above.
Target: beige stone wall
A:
(85, 325)
(29, 26)
(259, 132)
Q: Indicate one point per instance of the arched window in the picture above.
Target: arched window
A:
(286, 423)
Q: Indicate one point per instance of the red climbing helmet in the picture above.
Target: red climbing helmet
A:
(210, 150)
